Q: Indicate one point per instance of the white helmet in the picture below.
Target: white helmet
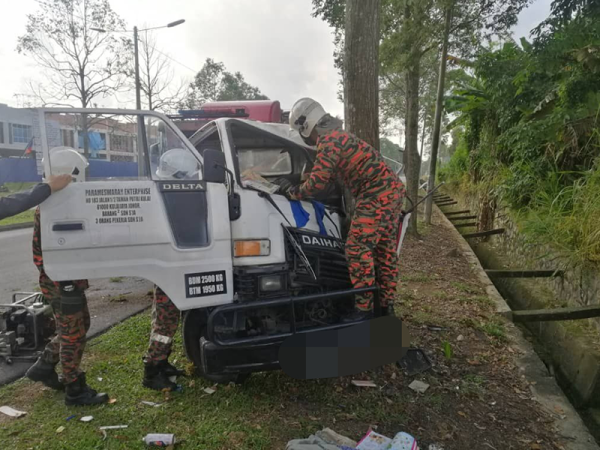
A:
(178, 164)
(305, 115)
(68, 161)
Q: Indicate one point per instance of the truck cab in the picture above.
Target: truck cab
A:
(246, 266)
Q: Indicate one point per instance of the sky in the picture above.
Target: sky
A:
(276, 44)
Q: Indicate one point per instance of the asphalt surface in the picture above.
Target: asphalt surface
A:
(110, 302)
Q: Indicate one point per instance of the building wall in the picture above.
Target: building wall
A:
(9, 142)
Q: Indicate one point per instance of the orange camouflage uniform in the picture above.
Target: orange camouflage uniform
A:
(71, 326)
(371, 242)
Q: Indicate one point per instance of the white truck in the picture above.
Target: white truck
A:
(245, 266)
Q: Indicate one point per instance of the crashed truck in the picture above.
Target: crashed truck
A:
(244, 267)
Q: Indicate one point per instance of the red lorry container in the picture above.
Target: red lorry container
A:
(260, 110)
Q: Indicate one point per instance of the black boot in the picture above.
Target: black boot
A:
(45, 373)
(170, 370)
(80, 394)
(358, 315)
(155, 378)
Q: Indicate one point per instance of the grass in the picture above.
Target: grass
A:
(116, 280)
(417, 278)
(264, 413)
(494, 328)
(25, 217)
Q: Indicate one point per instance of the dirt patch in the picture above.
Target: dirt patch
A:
(23, 397)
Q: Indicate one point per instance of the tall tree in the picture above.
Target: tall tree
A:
(157, 83)
(439, 106)
(79, 65)
(361, 69)
(214, 83)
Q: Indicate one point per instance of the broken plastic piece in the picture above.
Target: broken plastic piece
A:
(209, 391)
(159, 440)
(418, 386)
(156, 405)
(87, 419)
(114, 427)
(11, 412)
(363, 383)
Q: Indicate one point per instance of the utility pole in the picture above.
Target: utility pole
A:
(439, 107)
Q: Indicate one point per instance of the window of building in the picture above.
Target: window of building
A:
(1, 133)
(68, 138)
(21, 134)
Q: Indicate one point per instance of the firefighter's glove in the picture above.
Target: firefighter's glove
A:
(293, 193)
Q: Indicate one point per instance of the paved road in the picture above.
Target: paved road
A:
(110, 301)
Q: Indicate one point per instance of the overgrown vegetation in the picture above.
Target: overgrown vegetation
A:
(530, 131)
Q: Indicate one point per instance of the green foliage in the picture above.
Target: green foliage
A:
(214, 83)
(447, 348)
(529, 116)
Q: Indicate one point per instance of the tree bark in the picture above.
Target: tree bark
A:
(361, 69)
(361, 77)
(439, 108)
(412, 139)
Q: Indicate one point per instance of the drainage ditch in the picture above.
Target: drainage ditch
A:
(570, 349)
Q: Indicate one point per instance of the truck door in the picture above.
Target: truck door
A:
(128, 214)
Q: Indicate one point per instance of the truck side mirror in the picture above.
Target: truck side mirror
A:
(214, 166)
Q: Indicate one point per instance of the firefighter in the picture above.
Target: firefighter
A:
(11, 205)
(174, 164)
(69, 305)
(377, 190)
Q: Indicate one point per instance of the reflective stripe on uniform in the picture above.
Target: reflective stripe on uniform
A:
(160, 338)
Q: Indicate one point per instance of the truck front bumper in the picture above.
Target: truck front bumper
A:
(261, 353)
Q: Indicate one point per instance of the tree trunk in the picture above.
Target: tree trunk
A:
(361, 69)
(439, 108)
(361, 76)
(412, 139)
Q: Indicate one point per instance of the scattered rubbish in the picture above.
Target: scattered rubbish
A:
(311, 443)
(11, 412)
(60, 429)
(70, 417)
(112, 401)
(156, 405)
(87, 419)
(209, 391)
(460, 338)
(375, 441)
(114, 427)
(100, 379)
(363, 383)
(159, 440)
(173, 379)
(435, 328)
(331, 437)
(418, 386)
(415, 362)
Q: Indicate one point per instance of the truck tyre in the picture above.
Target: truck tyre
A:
(194, 330)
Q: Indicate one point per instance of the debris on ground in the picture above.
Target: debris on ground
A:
(159, 440)
(11, 412)
(156, 405)
(376, 441)
(86, 419)
(363, 383)
(209, 391)
(418, 386)
(414, 362)
(114, 427)
(331, 437)
(60, 429)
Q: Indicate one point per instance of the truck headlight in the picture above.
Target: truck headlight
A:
(259, 247)
(271, 283)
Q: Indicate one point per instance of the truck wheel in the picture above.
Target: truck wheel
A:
(194, 330)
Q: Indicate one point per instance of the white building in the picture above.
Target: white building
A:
(109, 143)
(15, 130)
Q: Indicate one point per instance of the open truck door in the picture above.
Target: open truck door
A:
(126, 216)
